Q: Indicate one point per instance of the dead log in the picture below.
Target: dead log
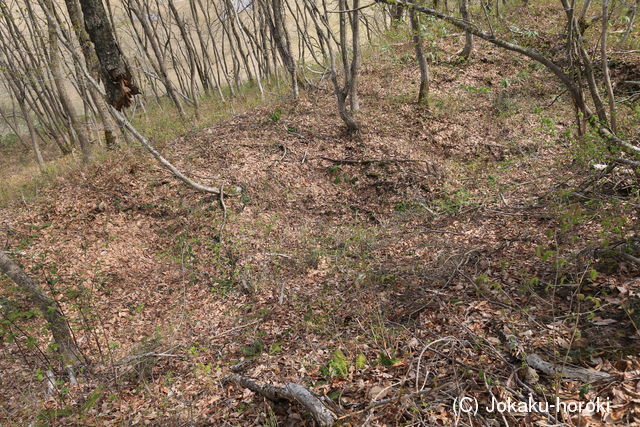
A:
(291, 392)
(567, 372)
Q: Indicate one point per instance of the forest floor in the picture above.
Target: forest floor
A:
(429, 253)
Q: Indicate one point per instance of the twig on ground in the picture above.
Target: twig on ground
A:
(221, 334)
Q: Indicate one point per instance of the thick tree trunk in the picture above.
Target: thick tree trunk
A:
(93, 65)
(66, 346)
(118, 81)
(468, 37)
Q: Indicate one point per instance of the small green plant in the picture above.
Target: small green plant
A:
(361, 361)
(275, 348)
(454, 201)
(203, 369)
(254, 349)
(196, 349)
(472, 89)
(385, 360)
(549, 125)
(276, 115)
(338, 365)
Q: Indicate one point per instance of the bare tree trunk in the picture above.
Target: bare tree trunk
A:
(422, 62)
(468, 37)
(162, 69)
(355, 60)
(32, 135)
(66, 345)
(341, 92)
(632, 18)
(192, 58)
(25, 114)
(91, 61)
(279, 33)
(605, 66)
(397, 12)
(56, 72)
(117, 78)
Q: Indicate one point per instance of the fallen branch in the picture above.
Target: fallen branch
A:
(291, 392)
(518, 353)
(182, 177)
(567, 372)
(369, 161)
(626, 162)
(122, 120)
(630, 258)
(128, 360)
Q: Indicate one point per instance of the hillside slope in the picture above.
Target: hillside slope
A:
(366, 267)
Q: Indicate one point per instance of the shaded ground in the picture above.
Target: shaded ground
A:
(456, 227)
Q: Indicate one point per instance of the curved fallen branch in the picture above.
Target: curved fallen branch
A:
(291, 392)
(150, 148)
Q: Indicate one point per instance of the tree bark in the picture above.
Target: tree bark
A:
(66, 345)
(422, 61)
(93, 65)
(272, 11)
(56, 72)
(605, 67)
(161, 67)
(355, 60)
(293, 393)
(468, 37)
(118, 81)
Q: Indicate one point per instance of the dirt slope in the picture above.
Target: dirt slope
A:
(342, 259)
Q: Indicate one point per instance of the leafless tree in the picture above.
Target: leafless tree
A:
(62, 335)
(582, 68)
(116, 75)
(466, 51)
(416, 30)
